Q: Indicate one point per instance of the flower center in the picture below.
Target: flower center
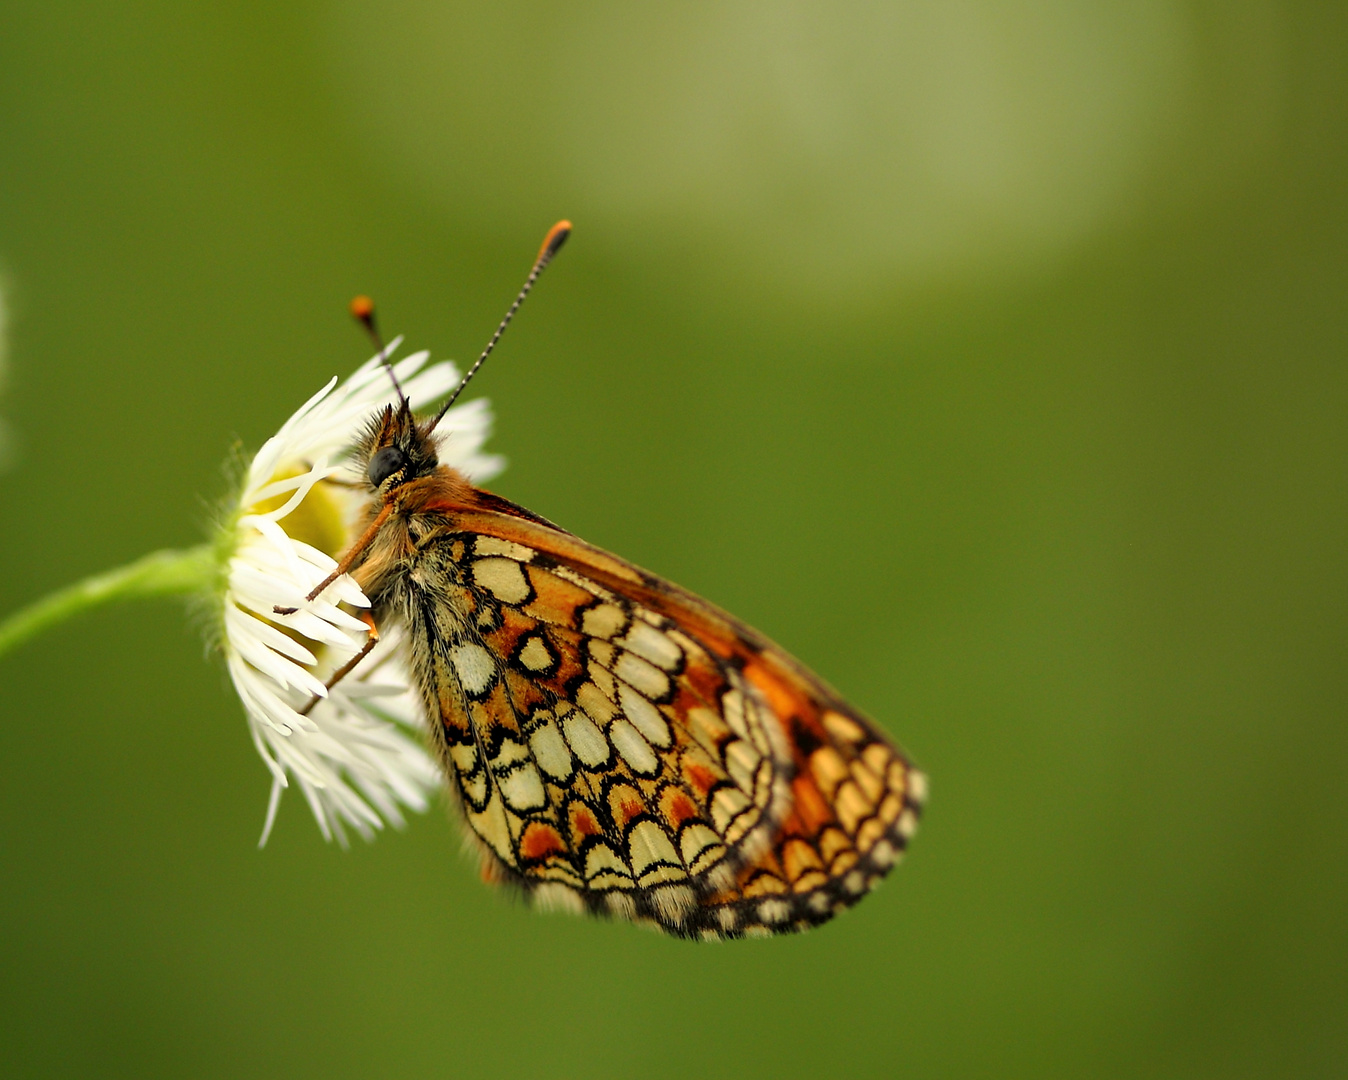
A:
(318, 520)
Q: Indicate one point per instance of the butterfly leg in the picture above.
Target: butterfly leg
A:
(371, 640)
(348, 560)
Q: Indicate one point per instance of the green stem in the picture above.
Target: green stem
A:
(161, 573)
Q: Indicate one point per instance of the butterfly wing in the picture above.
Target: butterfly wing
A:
(622, 746)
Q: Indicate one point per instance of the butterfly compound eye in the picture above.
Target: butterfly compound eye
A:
(385, 461)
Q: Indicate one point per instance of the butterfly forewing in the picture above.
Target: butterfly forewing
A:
(600, 755)
(622, 746)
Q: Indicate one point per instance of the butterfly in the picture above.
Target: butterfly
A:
(615, 744)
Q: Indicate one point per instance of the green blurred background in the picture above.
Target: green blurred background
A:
(992, 357)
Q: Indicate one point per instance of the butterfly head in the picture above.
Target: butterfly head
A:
(396, 450)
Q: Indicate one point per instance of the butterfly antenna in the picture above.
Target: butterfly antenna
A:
(362, 310)
(552, 244)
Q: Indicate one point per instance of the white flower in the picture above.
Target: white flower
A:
(357, 755)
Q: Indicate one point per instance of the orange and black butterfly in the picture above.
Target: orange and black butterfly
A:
(617, 745)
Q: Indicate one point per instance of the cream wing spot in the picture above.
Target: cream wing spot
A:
(643, 676)
(877, 757)
(587, 742)
(601, 861)
(662, 875)
(872, 786)
(633, 749)
(742, 762)
(511, 753)
(602, 678)
(649, 845)
(603, 621)
(474, 788)
(726, 805)
(491, 826)
(653, 645)
(464, 756)
(850, 805)
(523, 789)
(535, 655)
(828, 768)
(491, 545)
(871, 830)
(732, 708)
(602, 651)
(705, 725)
(503, 578)
(645, 717)
(593, 700)
(550, 751)
(474, 667)
(765, 783)
(698, 840)
(765, 730)
(843, 728)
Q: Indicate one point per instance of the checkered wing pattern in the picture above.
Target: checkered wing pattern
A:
(620, 746)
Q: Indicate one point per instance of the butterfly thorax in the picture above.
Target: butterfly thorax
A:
(414, 513)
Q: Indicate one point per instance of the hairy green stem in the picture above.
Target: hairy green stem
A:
(161, 573)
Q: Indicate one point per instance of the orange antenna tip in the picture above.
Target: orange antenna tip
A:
(551, 245)
(555, 239)
(362, 310)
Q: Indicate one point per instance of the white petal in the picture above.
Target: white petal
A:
(267, 634)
